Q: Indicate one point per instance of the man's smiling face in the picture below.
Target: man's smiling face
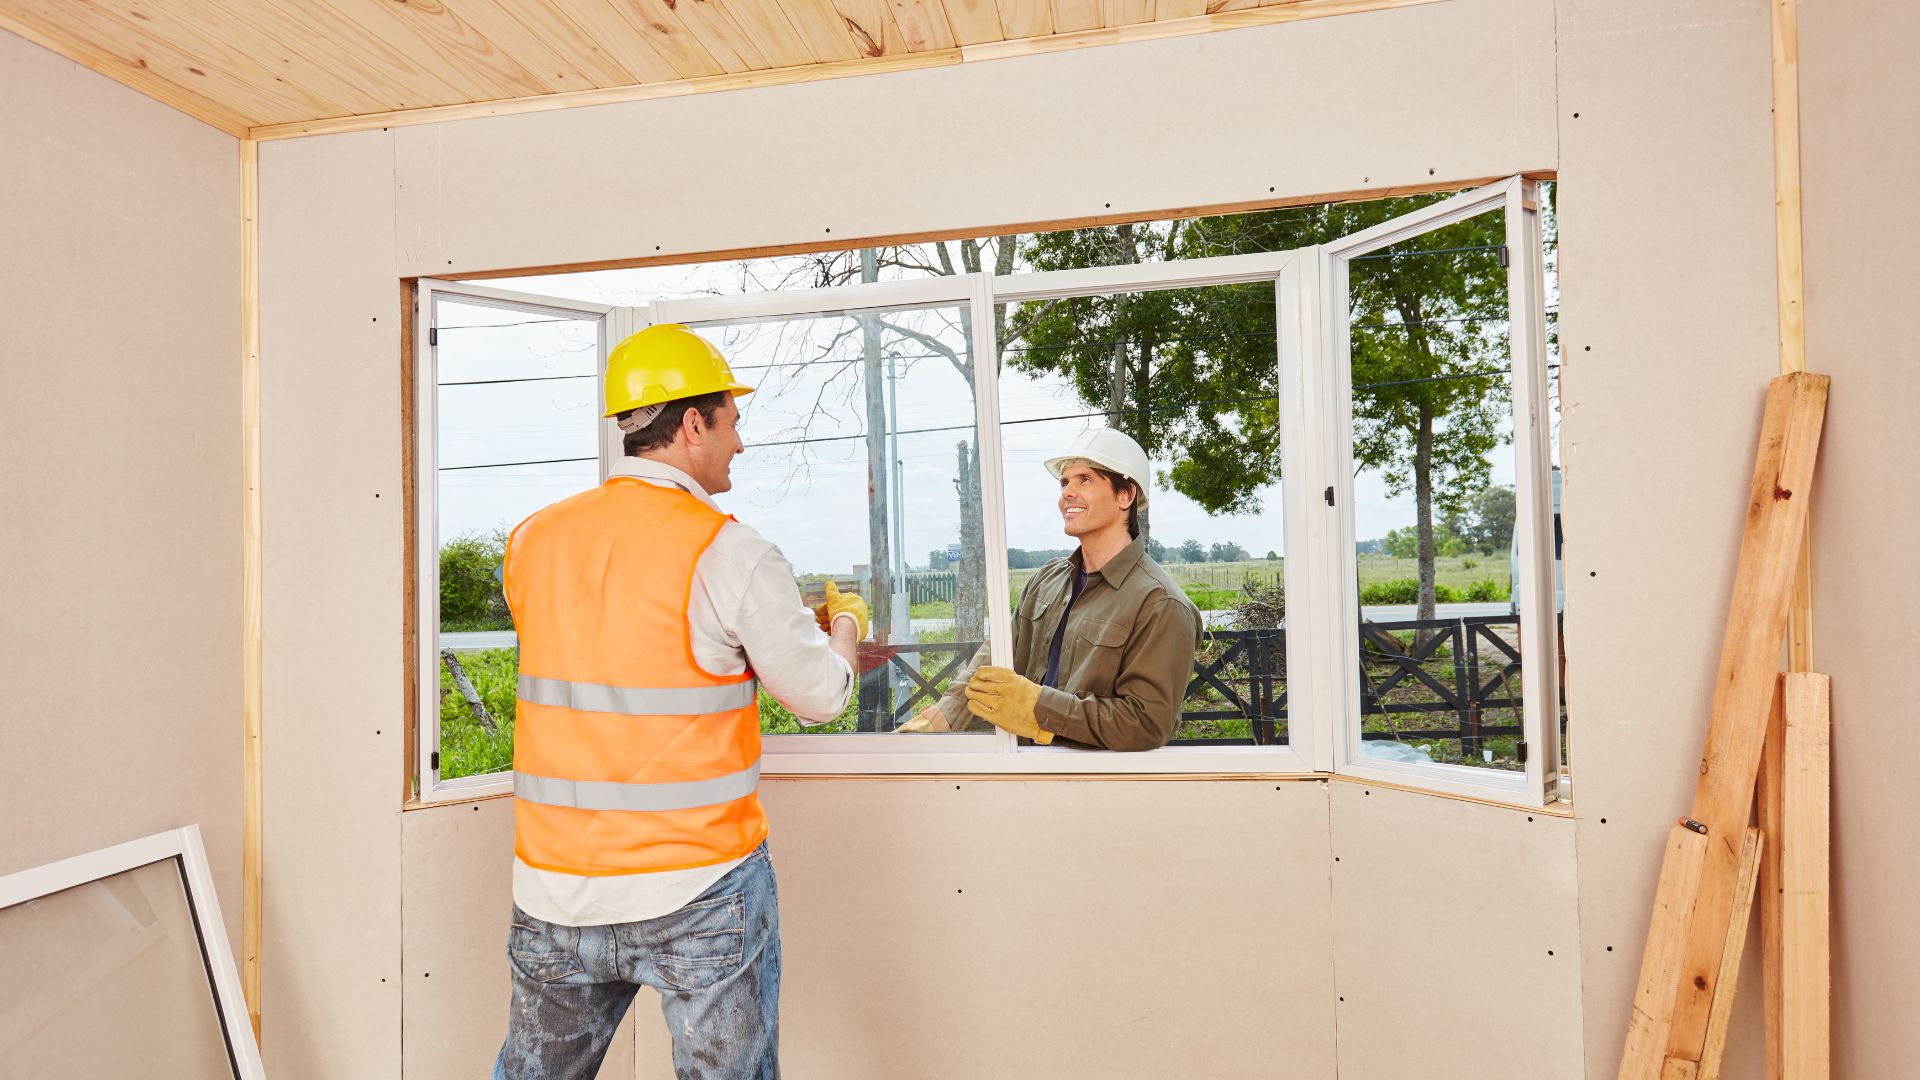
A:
(1088, 503)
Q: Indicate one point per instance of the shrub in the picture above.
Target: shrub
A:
(1486, 591)
(470, 596)
(1391, 591)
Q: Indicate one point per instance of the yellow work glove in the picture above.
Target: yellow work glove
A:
(927, 719)
(838, 604)
(1004, 698)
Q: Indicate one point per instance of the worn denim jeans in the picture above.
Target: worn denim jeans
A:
(716, 963)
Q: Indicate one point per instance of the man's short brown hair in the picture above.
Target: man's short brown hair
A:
(661, 431)
(1120, 484)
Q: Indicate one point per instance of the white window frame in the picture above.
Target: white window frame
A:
(1538, 784)
(203, 902)
(426, 507)
(1316, 423)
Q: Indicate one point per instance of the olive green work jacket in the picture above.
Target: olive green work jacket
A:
(1124, 661)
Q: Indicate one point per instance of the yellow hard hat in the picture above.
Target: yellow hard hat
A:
(665, 363)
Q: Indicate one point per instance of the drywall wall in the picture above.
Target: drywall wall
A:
(334, 678)
(1667, 320)
(1859, 104)
(1667, 323)
(119, 469)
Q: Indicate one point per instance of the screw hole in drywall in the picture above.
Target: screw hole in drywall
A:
(1593, 573)
(1429, 172)
(1529, 817)
(1586, 348)
(1549, 952)
(1609, 948)
(1576, 116)
(1603, 821)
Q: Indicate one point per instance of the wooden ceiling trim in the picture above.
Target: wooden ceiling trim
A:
(660, 25)
(134, 46)
(628, 45)
(1026, 18)
(923, 23)
(124, 70)
(1293, 11)
(974, 22)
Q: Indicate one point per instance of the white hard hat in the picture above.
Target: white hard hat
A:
(1114, 451)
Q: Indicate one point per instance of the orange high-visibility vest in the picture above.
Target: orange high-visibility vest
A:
(628, 757)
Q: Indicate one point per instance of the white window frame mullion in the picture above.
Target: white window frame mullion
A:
(1533, 488)
(426, 504)
(993, 480)
(1539, 670)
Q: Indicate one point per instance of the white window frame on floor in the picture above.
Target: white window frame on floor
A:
(1533, 522)
(1315, 411)
(426, 507)
(203, 904)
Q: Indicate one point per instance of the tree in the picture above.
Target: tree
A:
(1492, 526)
(1227, 552)
(1156, 550)
(1272, 555)
(470, 595)
(1191, 551)
(937, 559)
(1428, 374)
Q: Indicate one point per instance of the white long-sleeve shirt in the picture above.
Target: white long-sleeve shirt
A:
(744, 611)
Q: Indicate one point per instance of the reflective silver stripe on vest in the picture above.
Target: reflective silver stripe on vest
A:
(608, 795)
(639, 701)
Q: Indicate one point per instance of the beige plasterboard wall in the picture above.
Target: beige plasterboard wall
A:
(1859, 105)
(119, 469)
(1682, 341)
(1667, 330)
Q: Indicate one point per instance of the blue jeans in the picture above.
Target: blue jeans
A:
(716, 963)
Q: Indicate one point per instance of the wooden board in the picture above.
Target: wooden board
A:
(1805, 879)
(1777, 506)
(1768, 811)
(252, 559)
(1660, 964)
(1725, 987)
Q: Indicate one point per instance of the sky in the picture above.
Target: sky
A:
(518, 388)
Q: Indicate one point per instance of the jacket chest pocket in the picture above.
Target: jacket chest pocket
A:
(1095, 663)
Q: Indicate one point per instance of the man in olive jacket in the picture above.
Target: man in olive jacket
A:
(1104, 639)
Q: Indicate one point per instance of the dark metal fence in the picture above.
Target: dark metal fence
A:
(1447, 675)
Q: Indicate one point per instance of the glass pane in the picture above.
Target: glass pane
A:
(1439, 648)
(107, 979)
(861, 463)
(1190, 375)
(517, 429)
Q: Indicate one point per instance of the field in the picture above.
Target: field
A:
(1214, 586)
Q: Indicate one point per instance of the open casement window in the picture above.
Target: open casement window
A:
(1435, 384)
(895, 446)
(506, 396)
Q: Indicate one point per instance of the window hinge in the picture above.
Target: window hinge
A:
(436, 761)
(1523, 752)
(1329, 495)
(433, 332)
(1504, 256)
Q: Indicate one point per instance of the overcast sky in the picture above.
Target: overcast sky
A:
(531, 392)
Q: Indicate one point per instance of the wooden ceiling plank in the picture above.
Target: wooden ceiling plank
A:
(1027, 18)
(1221, 7)
(389, 64)
(371, 24)
(628, 45)
(660, 25)
(453, 34)
(138, 47)
(1126, 12)
(1073, 16)
(545, 40)
(1168, 10)
(874, 29)
(125, 70)
(974, 21)
(232, 40)
(727, 40)
(766, 24)
(923, 23)
(822, 29)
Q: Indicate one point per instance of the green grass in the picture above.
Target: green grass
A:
(466, 748)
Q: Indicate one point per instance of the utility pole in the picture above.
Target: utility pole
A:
(876, 697)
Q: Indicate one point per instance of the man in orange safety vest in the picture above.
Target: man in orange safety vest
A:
(649, 621)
